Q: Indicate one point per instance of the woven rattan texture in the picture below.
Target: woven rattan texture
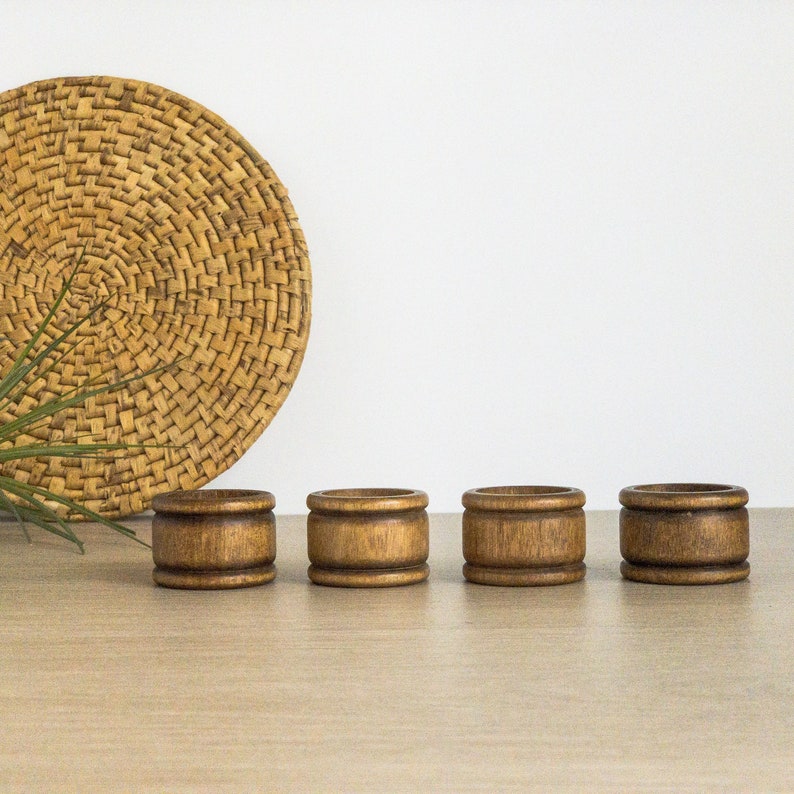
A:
(191, 238)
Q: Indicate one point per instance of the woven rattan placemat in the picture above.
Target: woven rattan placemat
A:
(192, 237)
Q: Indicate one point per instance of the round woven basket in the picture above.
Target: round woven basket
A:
(190, 238)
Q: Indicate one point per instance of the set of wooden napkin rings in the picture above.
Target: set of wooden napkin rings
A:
(691, 533)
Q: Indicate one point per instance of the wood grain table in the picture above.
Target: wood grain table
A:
(109, 683)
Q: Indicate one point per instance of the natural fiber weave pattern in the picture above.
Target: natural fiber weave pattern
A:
(191, 236)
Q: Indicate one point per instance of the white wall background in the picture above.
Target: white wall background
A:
(552, 242)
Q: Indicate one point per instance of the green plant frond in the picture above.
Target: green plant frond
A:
(58, 404)
(57, 360)
(30, 493)
(18, 373)
(69, 394)
(33, 516)
(39, 513)
(7, 505)
(90, 450)
(90, 382)
(32, 504)
(19, 363)
(91, 515)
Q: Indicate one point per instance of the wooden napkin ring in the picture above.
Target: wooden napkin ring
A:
(368, 537)
(524, 535)
(684, 533)
(214, 539)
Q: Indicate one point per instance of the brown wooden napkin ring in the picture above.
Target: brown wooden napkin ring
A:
(684, 533)
(368, 537)
(524, 535)
(214, 539)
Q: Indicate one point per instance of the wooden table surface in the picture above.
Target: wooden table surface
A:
(109, 683)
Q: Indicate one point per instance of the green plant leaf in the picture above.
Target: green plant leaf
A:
(10, 379)
(41, 514)
(89, 450)
(54, 406)
(28, 503)
(7, 505)
(31, 493)
(17, 375)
